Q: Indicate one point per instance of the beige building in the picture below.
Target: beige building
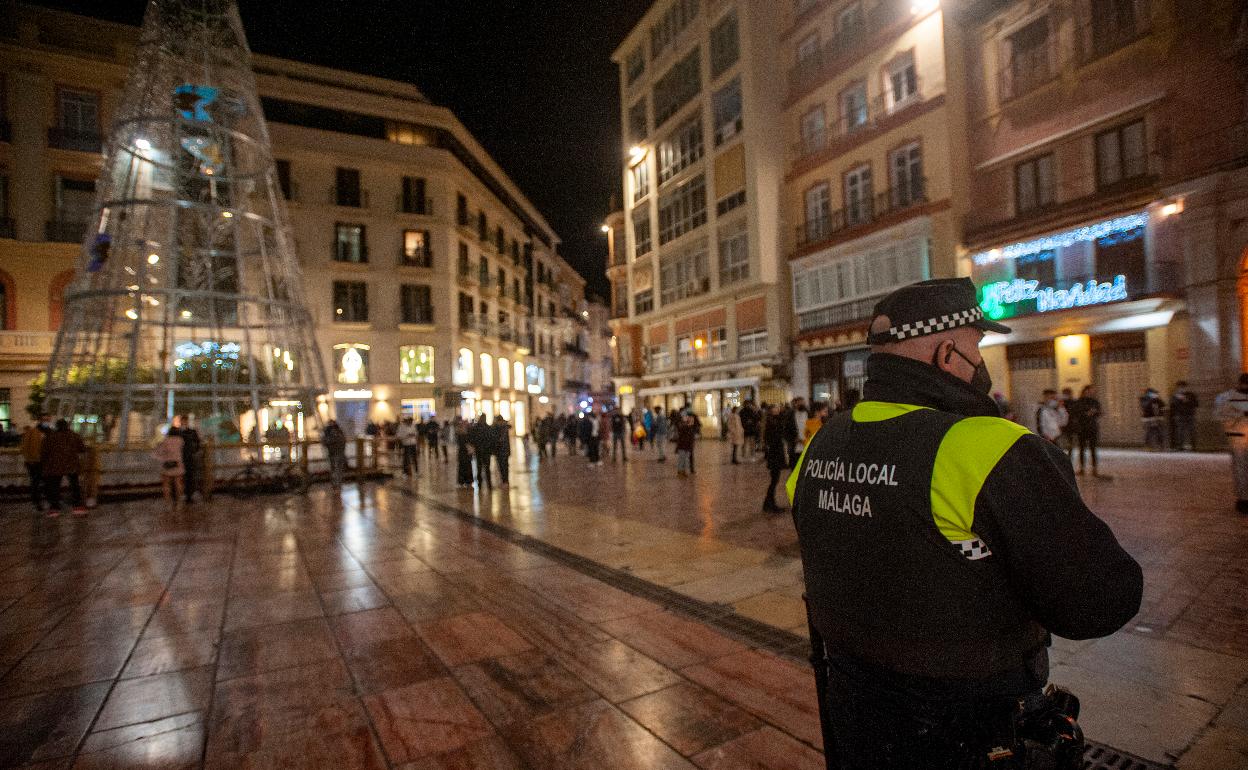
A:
(872, 175)
(434, 284)
(699, 295)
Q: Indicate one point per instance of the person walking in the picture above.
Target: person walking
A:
(697, 435)
(408, 435)
(482, 440)
(818, 413)
(941, 547)
(31, 448)
(1051, 417)
(619, 435)
(463, 454)
(659, 432)
(1231, 409)
(1153, 418)
(501, 442)
(647, 422)
(1183, 406)
(750, 422)
(432, 435)
(191, 449)
(775, 454)
(335, 442)
(60, 459)
(736, 433)
(590, 433)
(686, 434)
(1085, 417)
(446, 434)
(169, 454)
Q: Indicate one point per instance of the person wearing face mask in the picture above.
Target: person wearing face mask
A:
(1231, 409)
(1051, 416)
(941, 546)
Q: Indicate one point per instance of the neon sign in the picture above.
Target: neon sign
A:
(1121, 229)
(996, 297)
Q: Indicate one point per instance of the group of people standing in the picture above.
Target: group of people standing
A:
(53, 456)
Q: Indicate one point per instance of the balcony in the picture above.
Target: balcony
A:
(418, 258)
(489, 287)
(8, 228)
(847, 43)
(838, 315)
(61, 231)
(79, 141)
(467, 272)
(879, 114)
(1028, 70)
(865, 212)
(421, 206)
(356, 198)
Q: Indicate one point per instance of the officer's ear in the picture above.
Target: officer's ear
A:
(942, 355)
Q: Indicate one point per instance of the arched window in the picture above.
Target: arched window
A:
(56, 299)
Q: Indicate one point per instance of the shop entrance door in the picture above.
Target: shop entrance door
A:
(1033, 370)
(352, 416)
(1121, 375)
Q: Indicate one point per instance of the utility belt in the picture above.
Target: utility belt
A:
(1043, 733)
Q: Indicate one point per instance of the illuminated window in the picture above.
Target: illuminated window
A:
(487, 370)
(463, 367)
(351, 363)
(504, 373)
(903, 80)
(416, 251)
(416, 363)
(349, 244)
(517, 374)
(504, 410)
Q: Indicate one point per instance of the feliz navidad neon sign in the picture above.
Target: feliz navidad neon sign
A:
(997, 296)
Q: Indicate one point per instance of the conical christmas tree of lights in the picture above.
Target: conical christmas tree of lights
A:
(188, 297)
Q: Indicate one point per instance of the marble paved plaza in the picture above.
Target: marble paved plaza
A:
(415, 624)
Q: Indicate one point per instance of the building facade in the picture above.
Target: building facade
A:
(1109, 197)
(699, 298)
(435, 286)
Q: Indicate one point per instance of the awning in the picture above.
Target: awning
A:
(685, 387)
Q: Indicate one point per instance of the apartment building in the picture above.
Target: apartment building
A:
(873, 178)
(436, 287)
(699, 299)
(1109, 196)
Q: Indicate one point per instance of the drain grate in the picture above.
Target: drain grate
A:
(1098, 756)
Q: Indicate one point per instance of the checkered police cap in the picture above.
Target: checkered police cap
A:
(928, 307)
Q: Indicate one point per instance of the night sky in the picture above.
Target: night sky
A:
(533, 81)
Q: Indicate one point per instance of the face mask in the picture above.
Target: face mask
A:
(981, 380)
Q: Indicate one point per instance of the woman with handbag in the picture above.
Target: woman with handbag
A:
(169, 454)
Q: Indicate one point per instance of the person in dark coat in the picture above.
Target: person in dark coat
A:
(502, 450)
(190, 454)
(463, 454)
(60, 458)
(775, 452)
(482, 439)
(335, 442)
(1085, 416)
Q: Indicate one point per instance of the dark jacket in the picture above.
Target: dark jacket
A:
(1085, 416)
(686, 434)
(775, 442)
(334, 439)
(481, 436)
(500, 443)
(61, 453)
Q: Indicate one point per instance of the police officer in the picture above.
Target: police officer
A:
(941, 545)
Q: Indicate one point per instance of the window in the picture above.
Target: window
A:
(466, 309)
(903, 80)
(5, 299)
(347, 187)
(483, 226)
(726, 106)
(682, 209)
(415, 363)
(734, 257)
(75, 203)
(461, 209)
(351, 363)
(515, 251)
(504, 373)
(517, 374)
(413, 199)
(1114, 24)
(416, 252)
(730, 202)
(283, 178)
(681, 149)
(684, 274)
(859, 197)
(725, 49)
(850, 22)
(6, 409)
(1030, 62)
(78, 111)
(808, 50)
(1121, 154)
(680, 84)
(684, 350)
(818, 212)
(669, 26)
(814, 130)
(462, 375)
(416, 304)
(500, 240)
(1034, 184)
(752, 343)
(350, 301)
(487, 370)
(906, 175)
(635, 65)
(349, 245)
(641, 180)
(638, 124)
(483, 271)
(863, 275)
(658, 357)
(854, 111)
(643, 301)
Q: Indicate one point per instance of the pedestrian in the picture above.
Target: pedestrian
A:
(432, 434)
(335, 443)
(169, 454)
(604, 431)
(619, 435)
(60, 459)
(463, 454)
(697, 434)
(501, 441)
(1153, 418)
(647, 422)
(1068, 430)
(1183, 405)
(659, 432)
(941, 547)
(572, 430)
(1051, 417)
(736, 433)
(408, 435)
(31, 447)
(191, 450)
(750, 423)
(798, 415)
(775, 454)
(686, 434)
(818, 413)
(482, 440)
(446, 434)
(1231, 409)
(590, 432)
(1085, 417)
